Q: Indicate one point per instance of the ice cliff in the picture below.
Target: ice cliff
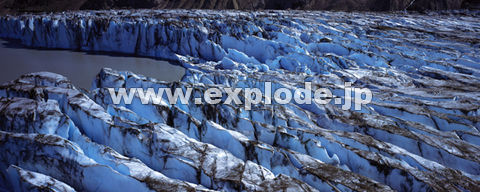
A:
(420, 133)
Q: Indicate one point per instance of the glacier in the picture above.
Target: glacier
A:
(420, 133)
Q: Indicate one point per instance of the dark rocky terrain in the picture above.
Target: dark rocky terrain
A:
(15, 6)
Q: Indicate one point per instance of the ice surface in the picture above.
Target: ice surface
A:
(23, 180)
(420, 133)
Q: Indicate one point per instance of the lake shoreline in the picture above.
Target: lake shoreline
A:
(82, 63)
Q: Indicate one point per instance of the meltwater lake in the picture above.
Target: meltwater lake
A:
(79, 67)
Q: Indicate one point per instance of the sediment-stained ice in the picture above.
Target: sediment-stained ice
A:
(24, 180)
(419, 133)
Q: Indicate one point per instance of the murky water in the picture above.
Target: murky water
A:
(81, 68)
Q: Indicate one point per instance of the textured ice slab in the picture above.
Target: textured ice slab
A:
(23, 180)
(163, 148)
(420, 133)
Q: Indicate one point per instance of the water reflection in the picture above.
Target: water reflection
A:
(81, 68)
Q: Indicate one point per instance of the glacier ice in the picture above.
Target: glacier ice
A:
(24, 180)
(420, 133)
